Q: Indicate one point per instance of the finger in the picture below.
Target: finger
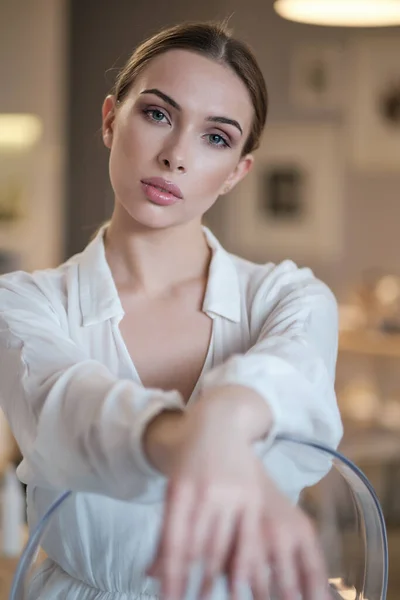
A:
(259, 578)
(155, 567)
(170, 560)
(243, 558)
(284, 576)
(312, 571)
(260, 575)
(228, 568)
(155, 570)
(217, 549)
(201, 523)
(202, 526)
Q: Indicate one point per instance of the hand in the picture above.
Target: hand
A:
(224, 512)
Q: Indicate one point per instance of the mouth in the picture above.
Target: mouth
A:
(164, 186)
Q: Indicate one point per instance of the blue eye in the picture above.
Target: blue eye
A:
(217, 140)
(157, 115)
(154, 114)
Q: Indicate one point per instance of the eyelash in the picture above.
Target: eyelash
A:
(148, 112)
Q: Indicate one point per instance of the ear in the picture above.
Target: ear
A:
(108, 117)
(243, 167)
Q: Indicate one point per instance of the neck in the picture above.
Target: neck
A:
(155, 260)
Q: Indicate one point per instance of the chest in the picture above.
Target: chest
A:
(170, 345)
(169, 342)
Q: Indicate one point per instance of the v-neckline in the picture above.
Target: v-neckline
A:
(135, 373)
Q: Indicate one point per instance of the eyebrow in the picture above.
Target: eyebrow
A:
(226, 121)
(163, 96)
(177, 106)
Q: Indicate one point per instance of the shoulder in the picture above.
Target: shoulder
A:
(272, 283)
(45, 288)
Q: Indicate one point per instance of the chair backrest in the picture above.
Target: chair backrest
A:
(351, 526)
(344, 508)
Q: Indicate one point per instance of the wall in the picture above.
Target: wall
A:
(32, 80)
(371, 204)
(101, 39)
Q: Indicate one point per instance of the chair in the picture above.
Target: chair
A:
(346, 513)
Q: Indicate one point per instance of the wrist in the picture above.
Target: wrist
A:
(163, 438)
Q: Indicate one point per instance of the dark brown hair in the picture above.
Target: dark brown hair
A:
(214, 41)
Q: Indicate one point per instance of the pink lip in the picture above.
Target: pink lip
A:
(164, 186)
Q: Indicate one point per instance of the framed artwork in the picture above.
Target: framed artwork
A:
(374, 105)
(317, 77)
(290, 204)
(282, 197)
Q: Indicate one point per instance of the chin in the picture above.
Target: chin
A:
(153, 217)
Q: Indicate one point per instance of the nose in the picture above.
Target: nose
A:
(173, 165)
(173, 156)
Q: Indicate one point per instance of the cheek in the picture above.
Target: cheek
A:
(128, 157)
(127, 141)
(124, 158)
(213, 171)
(135, 139)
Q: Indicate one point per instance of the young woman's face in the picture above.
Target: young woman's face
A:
(184, 123)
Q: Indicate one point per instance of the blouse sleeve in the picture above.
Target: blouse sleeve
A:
(291, 364)
(78, 426)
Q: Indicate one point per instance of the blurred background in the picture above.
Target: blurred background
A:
(325, 192)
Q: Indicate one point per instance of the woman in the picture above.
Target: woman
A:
(152, 372)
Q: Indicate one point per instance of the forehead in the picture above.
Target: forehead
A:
(198, 83)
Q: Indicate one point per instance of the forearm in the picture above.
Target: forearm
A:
(232, 408)
(238, 408)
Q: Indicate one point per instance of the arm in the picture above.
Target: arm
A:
(283, 384)
(289, 372)
(220, 503)
(222, 509)
(77, 425)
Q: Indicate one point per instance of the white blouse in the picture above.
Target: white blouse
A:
(78, 410)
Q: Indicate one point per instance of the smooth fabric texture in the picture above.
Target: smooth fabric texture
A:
(78, 409)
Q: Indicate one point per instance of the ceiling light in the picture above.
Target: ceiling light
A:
(342, 13)
(19, 131)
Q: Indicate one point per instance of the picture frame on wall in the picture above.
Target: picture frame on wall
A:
(317, 76)
(282, 193)
(373, 121)
(290, 205)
